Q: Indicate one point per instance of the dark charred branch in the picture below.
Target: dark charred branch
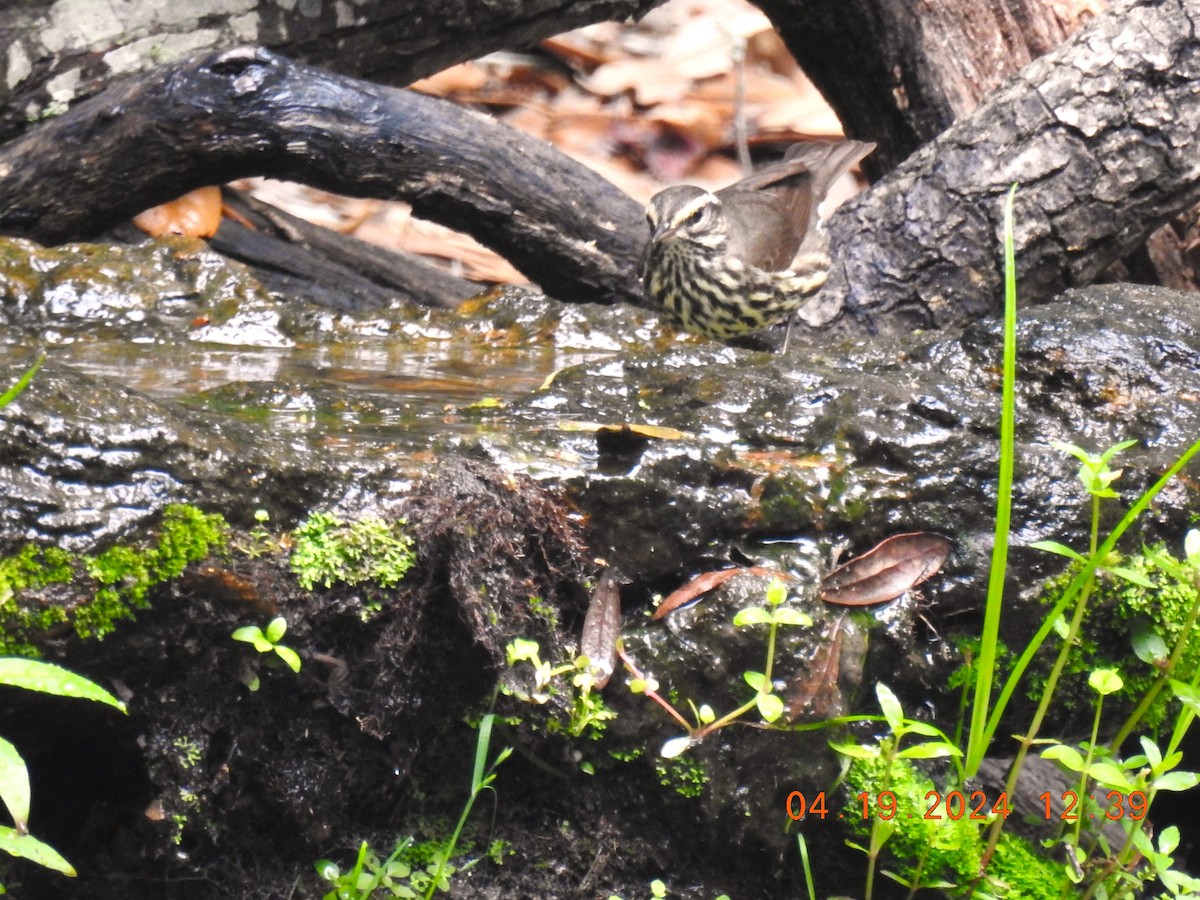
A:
(54, 58)
(250, 112)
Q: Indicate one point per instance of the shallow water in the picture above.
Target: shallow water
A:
(382, 393)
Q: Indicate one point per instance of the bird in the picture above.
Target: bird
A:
(745, 257)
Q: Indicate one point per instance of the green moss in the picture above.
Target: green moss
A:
(925, 850)
(328, 551)
(1119, 610)
(683, 774)
(544, 611)
(31, 569)
(1024, 874)
(120, 577)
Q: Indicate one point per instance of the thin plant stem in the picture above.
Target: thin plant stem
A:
(652, 695)
(1083, 577)
(481, 778)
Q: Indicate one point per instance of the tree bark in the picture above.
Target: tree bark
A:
(1102, 134)
(899, 72)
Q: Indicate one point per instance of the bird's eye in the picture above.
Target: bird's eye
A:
(697, 217)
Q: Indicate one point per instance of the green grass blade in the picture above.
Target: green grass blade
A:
(978, 739)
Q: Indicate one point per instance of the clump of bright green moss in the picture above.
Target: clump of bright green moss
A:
(328, 550)
(117, 579)
(926, 850)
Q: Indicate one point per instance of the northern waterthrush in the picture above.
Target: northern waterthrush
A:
(745, 257)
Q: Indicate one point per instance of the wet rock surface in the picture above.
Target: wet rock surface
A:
(663, 455)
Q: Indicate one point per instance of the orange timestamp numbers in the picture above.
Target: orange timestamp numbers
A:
(975, 806)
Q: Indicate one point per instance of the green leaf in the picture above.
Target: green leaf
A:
(1056, 547)
(1153, 754)
(23, 382)
(855, 751)
(327, 870)
(706, 714)
(892, 711)
(757, 681)
(251, 634)
(1168, 839)
(1177, 781)
(752, 615)
(915, 726)
(770, 707)
(1110, 776)
(1068, 756)
(929, 750)
(776, 592)
(276, 629)
(1078, 452)
(1129, 575)
(35, 675)
(1107, 455)
(14, 784)
(1188, 695)
(28, 847)
(289, 656)
(786, 615)
(1105, 681)
(1148, 645)
(520, 649)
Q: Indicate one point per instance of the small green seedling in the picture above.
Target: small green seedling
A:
(770, 705)
(268, 641)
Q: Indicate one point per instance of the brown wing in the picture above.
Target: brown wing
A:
(772, 210)
(762, 224)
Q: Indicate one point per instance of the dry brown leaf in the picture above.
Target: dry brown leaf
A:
(887, 570)
(706, 582)
(196, 214)
(460, 79)
(602, 627)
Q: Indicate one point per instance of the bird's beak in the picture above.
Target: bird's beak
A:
(663, 230)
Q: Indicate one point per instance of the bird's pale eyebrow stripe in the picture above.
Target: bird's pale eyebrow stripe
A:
(691, 208)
